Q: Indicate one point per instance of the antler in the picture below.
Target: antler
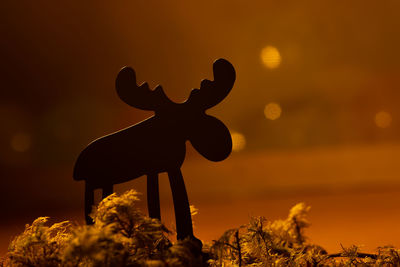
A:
(138, 96)
(213, 92)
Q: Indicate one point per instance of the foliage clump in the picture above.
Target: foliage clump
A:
(122, 236)
(273, 243)
(39, 244)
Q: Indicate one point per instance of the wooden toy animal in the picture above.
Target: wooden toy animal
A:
(157, 144)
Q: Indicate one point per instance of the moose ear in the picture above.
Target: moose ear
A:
(138, 96)
(211, 138)
(213, 92)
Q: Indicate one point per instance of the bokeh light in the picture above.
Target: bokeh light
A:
(21, 142)
(383, 119)
(238, 141)
(271, 57)
(272, 111)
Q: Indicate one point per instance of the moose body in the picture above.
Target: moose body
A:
(158, 144)
(153, 150)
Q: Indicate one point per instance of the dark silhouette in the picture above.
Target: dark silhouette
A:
(157, 144)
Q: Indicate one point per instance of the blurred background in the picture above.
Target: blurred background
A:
(313, 114)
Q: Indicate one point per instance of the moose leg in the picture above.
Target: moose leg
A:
(107, 190)
(89, 201)
(183, 217)
(153, 196)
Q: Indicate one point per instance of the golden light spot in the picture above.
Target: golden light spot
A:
(238, 141)
(272, 111)
(21, 142)
(383, 119)
(271, 57)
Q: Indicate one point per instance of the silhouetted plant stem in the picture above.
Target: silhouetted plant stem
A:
(298, 231)
(238, 247)
(261, 232)
(359, 255)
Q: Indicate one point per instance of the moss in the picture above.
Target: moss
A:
(123, 236)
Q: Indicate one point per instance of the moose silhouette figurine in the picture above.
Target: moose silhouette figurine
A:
(157, 144)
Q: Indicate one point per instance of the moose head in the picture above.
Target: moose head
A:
(157, 144)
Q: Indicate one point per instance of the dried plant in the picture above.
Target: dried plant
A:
(123, 236)
(39, 245)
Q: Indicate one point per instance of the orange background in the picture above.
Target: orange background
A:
(330, 68)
